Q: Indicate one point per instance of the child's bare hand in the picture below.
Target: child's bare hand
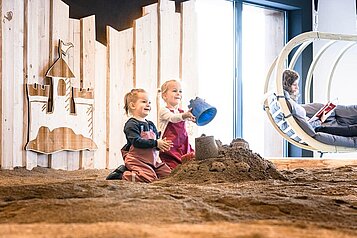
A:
(188, 115)
(164, 145)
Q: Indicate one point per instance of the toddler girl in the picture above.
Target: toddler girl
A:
(172, 124)
(141, 153)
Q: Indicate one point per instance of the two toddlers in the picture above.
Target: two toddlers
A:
(148, 157)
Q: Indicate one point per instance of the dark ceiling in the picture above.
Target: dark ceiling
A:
(118, 14)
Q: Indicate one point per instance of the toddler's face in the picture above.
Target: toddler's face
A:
(141, 108)
(173, 95)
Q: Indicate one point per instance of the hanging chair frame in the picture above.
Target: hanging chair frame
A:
(279, 65)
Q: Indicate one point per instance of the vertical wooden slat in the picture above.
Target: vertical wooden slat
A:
(125, 56)
(120, 81)
(74, 54)
(36, 54)
(19, 154)
(113, 146)
(99, 123)
(146, 57)
(169, 41)
(44, 8)
(59, 29)
(88, 51)
(12, 81)
(88, 74)
(74, 64)
(188, 60)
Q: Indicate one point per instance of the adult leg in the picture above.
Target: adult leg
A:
(348, 131)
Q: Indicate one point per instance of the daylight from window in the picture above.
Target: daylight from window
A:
(263, 38)
(215, 59)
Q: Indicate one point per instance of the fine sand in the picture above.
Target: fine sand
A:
(237, 194)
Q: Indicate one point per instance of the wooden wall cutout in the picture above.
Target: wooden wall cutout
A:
(50, 133)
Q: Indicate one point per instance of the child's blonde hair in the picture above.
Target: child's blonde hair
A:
(131, 96)
(165, 86)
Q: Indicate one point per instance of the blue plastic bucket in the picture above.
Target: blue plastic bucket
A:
(203, 112)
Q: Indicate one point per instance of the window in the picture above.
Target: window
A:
(216, 64)
(263, 34)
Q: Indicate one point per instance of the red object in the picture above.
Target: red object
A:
(176, 132)
(144, 165)
(325, 109)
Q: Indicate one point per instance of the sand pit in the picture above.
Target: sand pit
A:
(237, 194)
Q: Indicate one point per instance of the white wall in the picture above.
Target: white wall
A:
(337, 17)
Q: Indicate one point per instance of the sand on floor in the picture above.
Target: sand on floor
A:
(236, 194)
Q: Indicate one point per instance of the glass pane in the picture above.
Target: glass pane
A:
(263, 38)
(215, 62)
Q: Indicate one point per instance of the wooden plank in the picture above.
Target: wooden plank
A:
(169, 41)
(42, 44)
(125, 44)
(19, 155)
(188, 60)
(99, 123)
(308, 163)
(146, 57)
(74, 55)
(169, 44)
(120, 81)
(12, 81)
(152, 8)
(88, 51)
(59, 29)
(36, 52)
(88, 75)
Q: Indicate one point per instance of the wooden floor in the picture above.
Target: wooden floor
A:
(311, 163)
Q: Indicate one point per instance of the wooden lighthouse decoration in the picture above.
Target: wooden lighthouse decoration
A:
(61, 116)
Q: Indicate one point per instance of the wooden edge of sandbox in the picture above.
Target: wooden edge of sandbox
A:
(311, 163)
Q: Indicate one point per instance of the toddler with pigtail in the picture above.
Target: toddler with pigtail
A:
(141, 153)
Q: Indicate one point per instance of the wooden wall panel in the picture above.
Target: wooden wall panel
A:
(88, 51)
(36, 57)
(12, 81)
(59, 29)
(169, 44)
(125, 41)
(88, 75)
(188, 61)
(169, 41)
(146, 57)
(153, 8)
(158, 48)
(73, 157)
(99, 123)
(114, 157)
(120, 81)
(74, 54)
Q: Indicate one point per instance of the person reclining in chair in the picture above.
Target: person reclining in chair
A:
(291, 87)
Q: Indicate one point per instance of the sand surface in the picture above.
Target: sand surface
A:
(238, 194)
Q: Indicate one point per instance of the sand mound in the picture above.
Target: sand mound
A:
(235, 163)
